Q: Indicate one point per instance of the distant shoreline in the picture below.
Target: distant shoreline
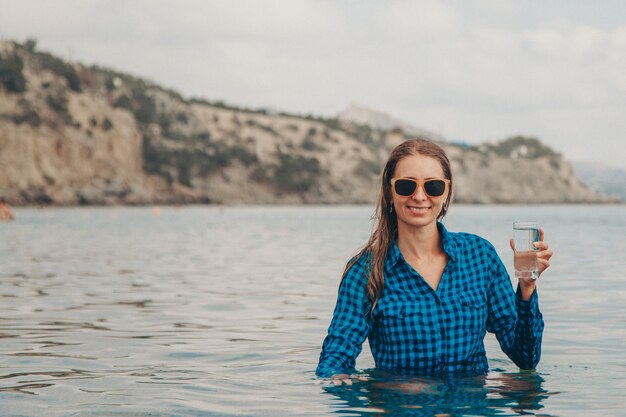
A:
(282, 204)
(75, 135)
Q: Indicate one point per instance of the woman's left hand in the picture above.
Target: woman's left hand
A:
(527, 286)
(543, 253)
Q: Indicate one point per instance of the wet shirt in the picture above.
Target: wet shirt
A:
(416, 329)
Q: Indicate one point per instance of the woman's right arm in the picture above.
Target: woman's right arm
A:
(349, 327)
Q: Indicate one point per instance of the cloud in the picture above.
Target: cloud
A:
(476, 71)
(410, 20)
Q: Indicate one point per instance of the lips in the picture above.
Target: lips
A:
(418, 210)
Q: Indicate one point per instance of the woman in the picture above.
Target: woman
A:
(425, 297)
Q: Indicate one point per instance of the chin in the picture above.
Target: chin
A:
(417, 220)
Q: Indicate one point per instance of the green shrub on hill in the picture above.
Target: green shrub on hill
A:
(107, 124)
(27, 114)
(123, 102)
(220, 104)
(523, 147)
(165, 122)
(296, 173)
(202, 137)
(154, 158)
(11, 73)
(310, 144)
(57, 101)
(182, 118)
(365, 134)
(30, 45)
(61, 68)
(182, 164)
(367, 168)
(142, 106)
(332, 123)
(109, 78)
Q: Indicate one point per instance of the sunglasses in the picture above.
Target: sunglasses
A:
(406, 187)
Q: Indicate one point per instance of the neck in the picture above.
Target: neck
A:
(419, 242)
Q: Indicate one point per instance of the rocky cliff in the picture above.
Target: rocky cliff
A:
(72, 134)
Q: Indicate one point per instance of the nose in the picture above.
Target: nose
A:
(420, 194)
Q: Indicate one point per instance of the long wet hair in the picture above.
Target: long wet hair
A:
(386, 222)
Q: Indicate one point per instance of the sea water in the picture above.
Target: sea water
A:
(221, 311)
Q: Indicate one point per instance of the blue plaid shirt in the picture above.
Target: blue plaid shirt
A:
(415, 329)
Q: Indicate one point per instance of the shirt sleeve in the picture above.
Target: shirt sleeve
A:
(349, 327)
(518, 324)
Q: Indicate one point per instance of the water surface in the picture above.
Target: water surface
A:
(221, 311)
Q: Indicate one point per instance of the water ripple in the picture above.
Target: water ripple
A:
(220, 311)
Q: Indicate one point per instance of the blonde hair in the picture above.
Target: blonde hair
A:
(386, 222)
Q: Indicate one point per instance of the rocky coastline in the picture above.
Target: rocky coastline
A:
(72, 134)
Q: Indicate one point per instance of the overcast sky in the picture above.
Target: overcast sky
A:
(471, 70)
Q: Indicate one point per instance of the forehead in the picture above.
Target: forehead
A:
(418, 166)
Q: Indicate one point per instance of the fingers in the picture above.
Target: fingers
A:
(543, 264)
(341, 379)
(512, 243)
(338, 382)
(543, 250)
(544, 254)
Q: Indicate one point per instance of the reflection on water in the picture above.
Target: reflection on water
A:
(221, 311)
(374, 393)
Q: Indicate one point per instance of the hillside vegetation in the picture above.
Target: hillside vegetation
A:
(74, 134)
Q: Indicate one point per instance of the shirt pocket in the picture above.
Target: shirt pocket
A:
(404, 324)
(473, 312)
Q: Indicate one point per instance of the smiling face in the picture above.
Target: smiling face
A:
(420, 209)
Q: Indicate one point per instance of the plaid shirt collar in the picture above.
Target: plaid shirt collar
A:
(450, 247)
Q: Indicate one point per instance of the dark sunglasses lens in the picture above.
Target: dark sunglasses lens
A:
(434, 188)
(405, 187)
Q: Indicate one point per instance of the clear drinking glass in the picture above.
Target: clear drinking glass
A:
(524, 258)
